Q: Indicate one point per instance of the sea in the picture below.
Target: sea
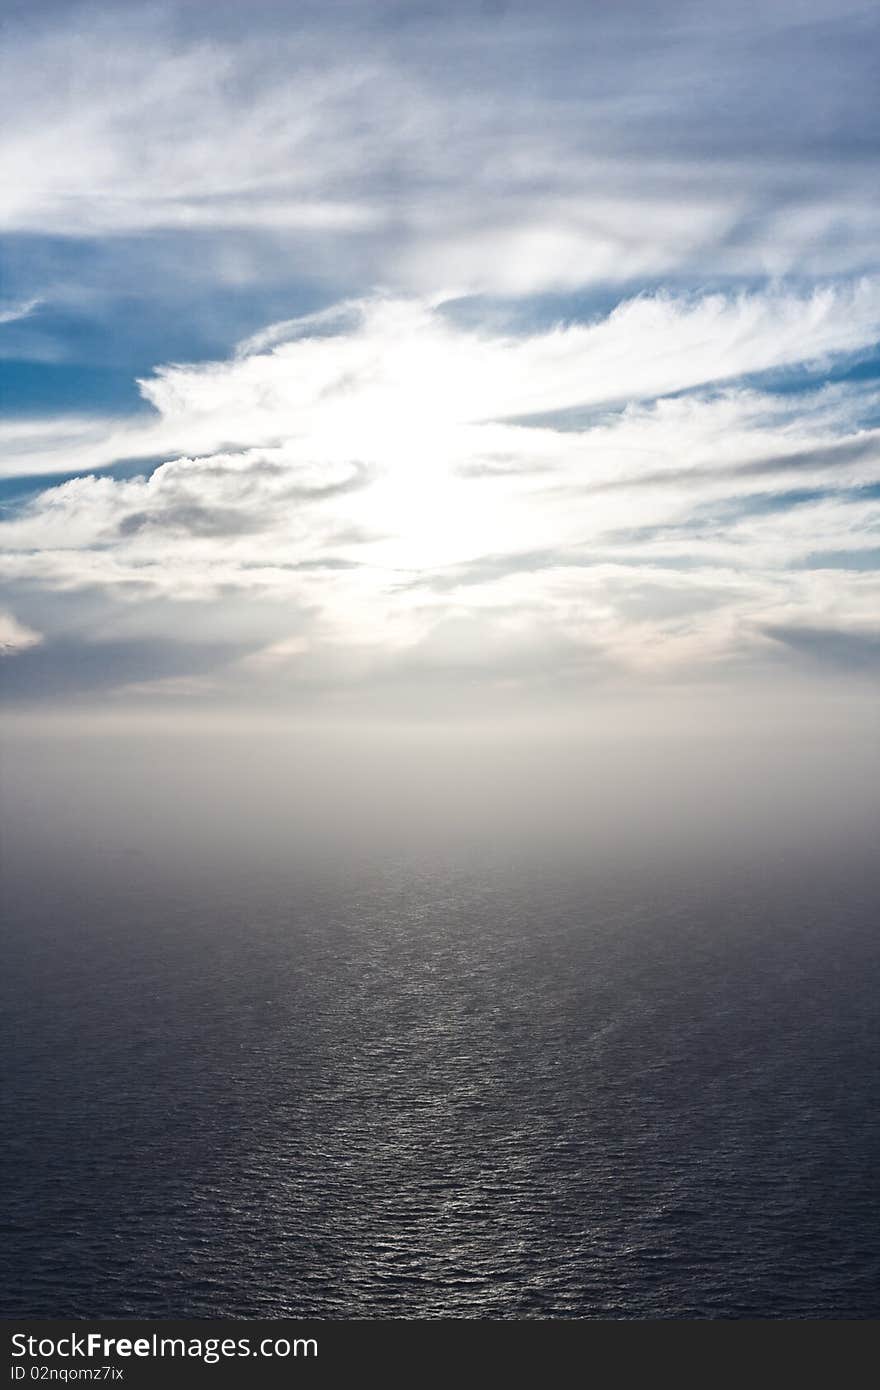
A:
(466, 1084)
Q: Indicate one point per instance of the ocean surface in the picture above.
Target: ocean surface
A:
(449, 1087)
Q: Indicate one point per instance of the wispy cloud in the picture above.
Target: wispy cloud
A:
(511, 151)
(14, 636)
(662, 532)
(11, 313)
(532, 346)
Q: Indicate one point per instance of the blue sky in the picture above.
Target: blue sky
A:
(407, 353)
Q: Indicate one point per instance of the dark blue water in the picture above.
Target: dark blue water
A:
(441, 1089)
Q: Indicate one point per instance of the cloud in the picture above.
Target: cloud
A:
(72, 667)
(14, 636)
(866, 557)
(366, 494)
(836, 647)
(13, 312)
(388, 371)
(510, 153)
(814, 460)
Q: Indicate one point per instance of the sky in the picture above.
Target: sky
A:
(443, 362)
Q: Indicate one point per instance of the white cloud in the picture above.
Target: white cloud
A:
(13, 312)
(406, 494)
(397, 370)
(588, 144)
(14, 636)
